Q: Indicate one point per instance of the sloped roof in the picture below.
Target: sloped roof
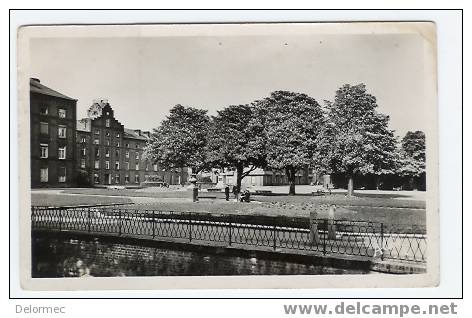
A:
(37, 87)
(130, 133)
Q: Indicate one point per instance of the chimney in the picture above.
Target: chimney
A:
(147, 134)
(138, 131)
(34, 79)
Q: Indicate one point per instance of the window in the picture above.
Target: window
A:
(62, 174)
(97, 164)
(97, 152)
(253, 180)
(61, 113)
(107, 133)
(84, 151)
(44, 150)
(82, 139)
(146, 167)
(61, 131)
(107, 122)
(127, 178)
(44, 110)
(127, 154)
(117, 165)
(107, 152)
(117, 178)
(127, 165)
(97, 132)
(117, 154)
(137, 156)
(82, 163)
(127, 145)
(107, 142)
(44, 128)
(44, 175)
(137, 146)
(136, 178)
(117, 143)
(117, 135)
(137, 166)
(155, 167)
(62, 152)
(107, 164)
(96, 178)
(96, 141)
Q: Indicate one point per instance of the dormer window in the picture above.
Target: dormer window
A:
(43, 110)
(107, 122)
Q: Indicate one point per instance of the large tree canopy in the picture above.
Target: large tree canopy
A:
(361, 141)
(180, 140)
(289, 129)
(229, 141)
(413, 154)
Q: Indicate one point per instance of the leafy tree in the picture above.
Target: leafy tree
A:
(180, 140)
(412, 155)
(361, 142)
(230, 141)
(289, 128)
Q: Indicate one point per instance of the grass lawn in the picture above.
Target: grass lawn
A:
(46, 199)
(365, 208)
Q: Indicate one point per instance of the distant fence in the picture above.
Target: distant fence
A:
(369, 239)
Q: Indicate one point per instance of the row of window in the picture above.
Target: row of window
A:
(61, 112)
(107, 133)
(96, 141)
(83, 164)
(96, 178)
(83, 152)
(61, 177)
(44, 151)
(61, 130)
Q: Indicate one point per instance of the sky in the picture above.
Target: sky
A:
(143, 78)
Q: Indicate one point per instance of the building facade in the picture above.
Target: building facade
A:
(110, 154)
(260, 177)
(53, 135)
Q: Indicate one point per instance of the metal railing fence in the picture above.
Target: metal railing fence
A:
(361, 238)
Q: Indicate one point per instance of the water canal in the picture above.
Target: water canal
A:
(64, 256)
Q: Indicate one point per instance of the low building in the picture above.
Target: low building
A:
(260, 177)
(52, 135)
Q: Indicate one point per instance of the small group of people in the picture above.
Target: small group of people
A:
(244, 197)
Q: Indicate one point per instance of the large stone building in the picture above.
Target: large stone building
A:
(53, 126)
(110, 154)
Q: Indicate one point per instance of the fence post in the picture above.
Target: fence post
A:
(381, 241)
(60, 219)
(88, 220)
(325, 236)
(119, 222)
(190, 226)
(274, 230)
(153, 225)
(230, 229)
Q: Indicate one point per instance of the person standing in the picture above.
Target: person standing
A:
(227, 192)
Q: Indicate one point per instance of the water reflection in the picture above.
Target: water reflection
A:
(62, 257)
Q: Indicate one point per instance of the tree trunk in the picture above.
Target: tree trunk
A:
(182, 174)
(350, 186)
(239, 172)
(291, 180)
